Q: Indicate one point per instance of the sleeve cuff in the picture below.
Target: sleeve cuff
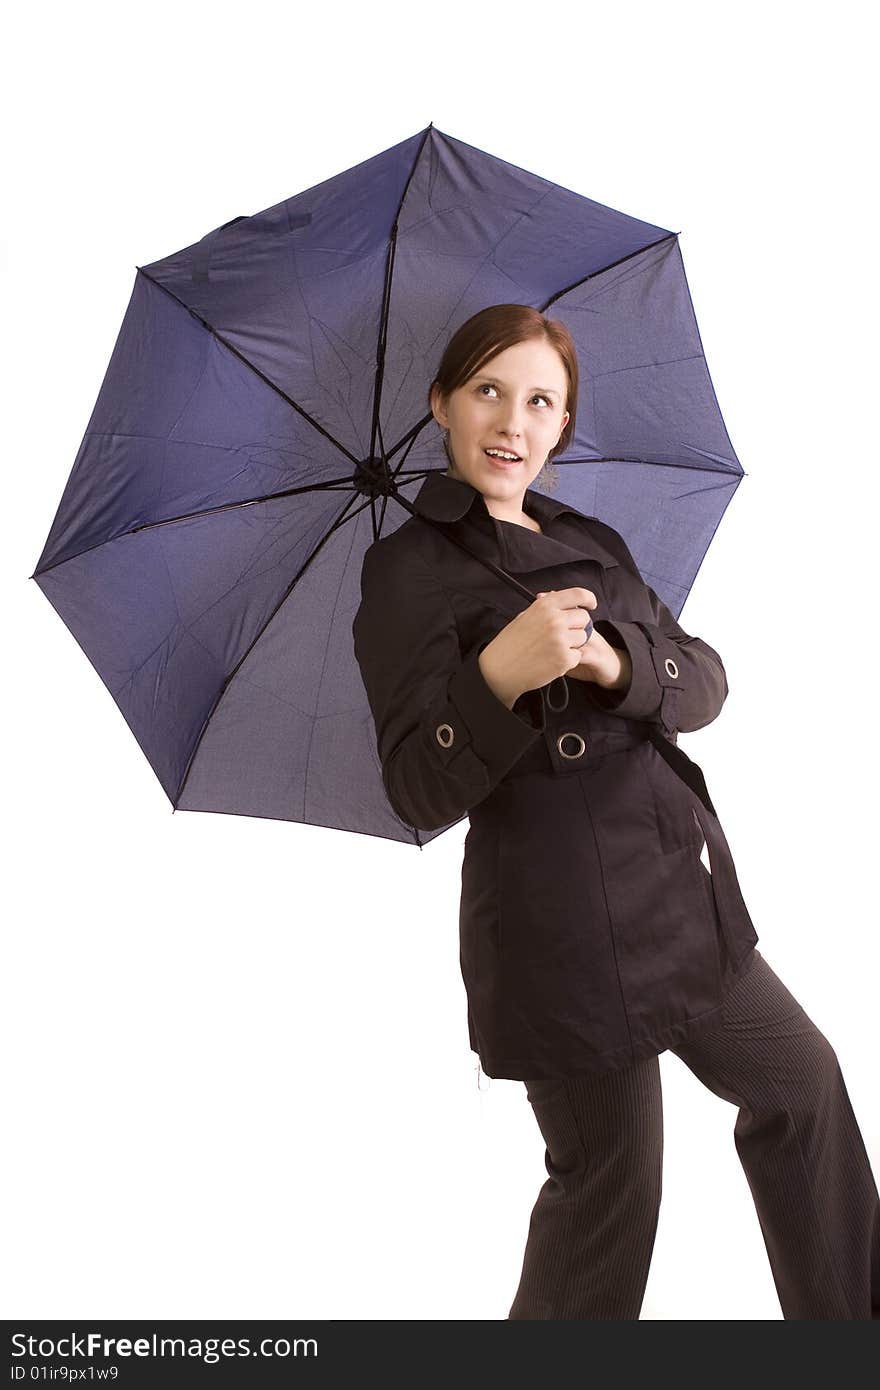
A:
(642, 697)
(499, 736)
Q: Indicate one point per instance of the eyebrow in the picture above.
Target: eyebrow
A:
(545, 390)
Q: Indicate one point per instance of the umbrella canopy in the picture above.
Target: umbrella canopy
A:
(265, 398)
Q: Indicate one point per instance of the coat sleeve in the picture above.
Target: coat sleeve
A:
(444, 738)
(678, 681)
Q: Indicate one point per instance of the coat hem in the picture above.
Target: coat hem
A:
(521, 1069)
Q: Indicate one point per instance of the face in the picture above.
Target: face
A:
(515, 402)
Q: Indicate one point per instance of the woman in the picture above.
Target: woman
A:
(593, 935)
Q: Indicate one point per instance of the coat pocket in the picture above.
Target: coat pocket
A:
(479, 915)
(672, 803)
(703, 867)
(701, 846)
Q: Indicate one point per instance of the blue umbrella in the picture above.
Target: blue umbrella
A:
(263, 418)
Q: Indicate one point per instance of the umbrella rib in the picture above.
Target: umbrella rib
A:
(644, 366)
(653, 463)
(603, 270)
(245, 654)
(330, 485)
(375, 427)
(593, 458)
(348, 512)
(250, 365)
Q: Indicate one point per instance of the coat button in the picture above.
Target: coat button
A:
(445, 735)
(671, 668)
(579, 752)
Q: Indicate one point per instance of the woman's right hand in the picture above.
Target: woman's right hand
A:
(539, 644)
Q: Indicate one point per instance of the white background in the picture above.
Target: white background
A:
(238, 1080)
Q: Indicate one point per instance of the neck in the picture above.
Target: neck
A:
(506, 511)
(510, 509)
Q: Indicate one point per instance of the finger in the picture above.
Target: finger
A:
(585, 630)
(578, 598)
(579, 619)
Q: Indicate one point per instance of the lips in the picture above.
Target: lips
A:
(508, 463)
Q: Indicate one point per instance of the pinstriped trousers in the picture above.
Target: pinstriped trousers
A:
(592, 1228)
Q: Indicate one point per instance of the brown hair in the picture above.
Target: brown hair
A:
(491, 331)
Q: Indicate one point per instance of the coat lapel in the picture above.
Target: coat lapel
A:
(565, 538)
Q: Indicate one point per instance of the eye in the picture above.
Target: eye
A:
(487, 386)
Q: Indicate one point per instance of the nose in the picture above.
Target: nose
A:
(511, 422)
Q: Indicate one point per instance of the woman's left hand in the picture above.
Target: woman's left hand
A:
(609, 667)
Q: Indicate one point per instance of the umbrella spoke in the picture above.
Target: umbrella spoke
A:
(348, 513)
(273, 385)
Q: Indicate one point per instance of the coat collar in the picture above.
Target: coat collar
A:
(565, 539)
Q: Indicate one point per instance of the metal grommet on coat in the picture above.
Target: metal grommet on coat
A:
(671, 668)
(570, 734)
(445, 734)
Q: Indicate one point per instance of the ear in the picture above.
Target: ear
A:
(437, 408)
(565, 419)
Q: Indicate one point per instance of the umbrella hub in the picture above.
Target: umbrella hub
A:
(371, 477)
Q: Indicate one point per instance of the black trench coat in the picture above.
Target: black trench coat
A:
(591, 932)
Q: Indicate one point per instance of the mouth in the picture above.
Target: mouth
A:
(502, 462)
